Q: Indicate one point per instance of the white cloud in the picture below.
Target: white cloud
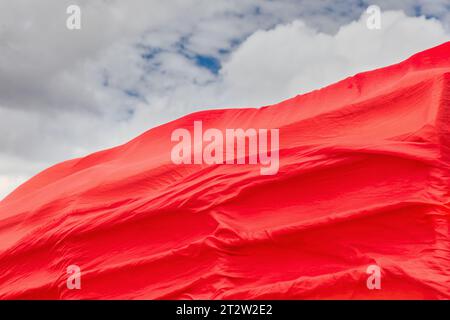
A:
(277, 64)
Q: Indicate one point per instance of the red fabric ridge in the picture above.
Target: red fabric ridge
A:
(363, 179)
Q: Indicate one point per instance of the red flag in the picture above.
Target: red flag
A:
(342, 192)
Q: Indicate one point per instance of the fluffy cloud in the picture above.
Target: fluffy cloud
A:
(137, 63)
(291, 59)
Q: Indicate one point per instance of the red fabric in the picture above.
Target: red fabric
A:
(363, 179)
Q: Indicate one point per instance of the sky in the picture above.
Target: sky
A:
(135, 64)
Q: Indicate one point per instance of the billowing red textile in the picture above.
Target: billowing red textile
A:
(363, 180)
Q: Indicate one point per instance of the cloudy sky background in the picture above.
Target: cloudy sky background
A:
(139, 63)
